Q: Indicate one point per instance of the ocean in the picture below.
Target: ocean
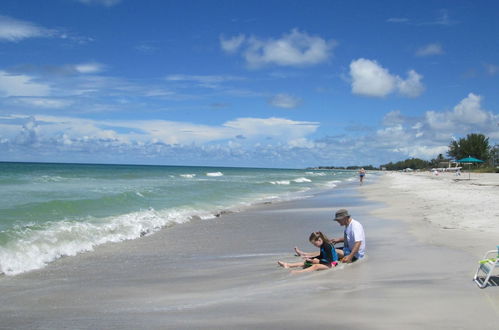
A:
(48, 211)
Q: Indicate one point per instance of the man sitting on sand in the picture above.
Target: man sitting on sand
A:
(354, 239)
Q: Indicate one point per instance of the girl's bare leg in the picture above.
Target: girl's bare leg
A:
(300, 253)
(290, 264)
(311, 269)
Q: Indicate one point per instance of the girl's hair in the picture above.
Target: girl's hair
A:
(316, 235)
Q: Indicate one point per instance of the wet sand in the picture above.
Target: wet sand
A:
(222, 274)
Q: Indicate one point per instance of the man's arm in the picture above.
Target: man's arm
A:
(355, 249)
(337, 240)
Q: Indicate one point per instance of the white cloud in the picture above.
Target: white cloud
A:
(233, 44)
(466, 115)
(47, 103)
(107, 3)
(430, 49)
(284, 101)
(369, 78)
(430, 135)
(397, 20)
(293, 49)
(52, 128)
(14, 30)
(245, 141)
(21, 85)
(412, 86)
(91, 67)
(422, 151)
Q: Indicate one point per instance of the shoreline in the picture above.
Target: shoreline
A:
(222, 273)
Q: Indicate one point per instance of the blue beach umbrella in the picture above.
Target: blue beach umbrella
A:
(469, 160)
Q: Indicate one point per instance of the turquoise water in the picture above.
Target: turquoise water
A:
(53, 210)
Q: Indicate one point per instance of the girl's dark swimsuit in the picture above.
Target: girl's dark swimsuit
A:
(328, 254)
(327, 257)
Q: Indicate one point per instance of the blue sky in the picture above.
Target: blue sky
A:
(245, 83)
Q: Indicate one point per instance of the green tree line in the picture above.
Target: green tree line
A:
(473, 145)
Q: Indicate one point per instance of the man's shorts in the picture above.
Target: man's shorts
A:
(347, 252)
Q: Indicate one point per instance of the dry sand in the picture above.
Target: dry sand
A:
(443, 210)
(222, 274)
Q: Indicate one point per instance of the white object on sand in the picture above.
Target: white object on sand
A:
(487, 266)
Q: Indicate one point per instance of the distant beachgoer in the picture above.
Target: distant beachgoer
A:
(354, 239)
(326, 258)
(362, 174)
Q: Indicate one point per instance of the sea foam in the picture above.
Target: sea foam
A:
(214, 174)
(54, 240)
(302, 180)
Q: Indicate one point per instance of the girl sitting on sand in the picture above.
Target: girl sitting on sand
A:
(326, 259)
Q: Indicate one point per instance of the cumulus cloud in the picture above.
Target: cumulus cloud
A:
(430, 49)
(468, 114)
(12, 29)
(51, 129)
(412, 86)
(271, 141)
(371, 79)
(402, 136)
(430, 135)
(368, 78)
(293, 49)
(284, 101)
(21, 85)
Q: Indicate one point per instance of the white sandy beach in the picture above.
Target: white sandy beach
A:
(444, 209)
(222, 273)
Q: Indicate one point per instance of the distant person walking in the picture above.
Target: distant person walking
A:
(362, 174)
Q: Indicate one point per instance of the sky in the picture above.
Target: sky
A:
(245, 83)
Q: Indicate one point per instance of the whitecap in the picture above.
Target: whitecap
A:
(316, 173)
(281, 182)
(302, 180)
(214, 174)
(188, 176)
